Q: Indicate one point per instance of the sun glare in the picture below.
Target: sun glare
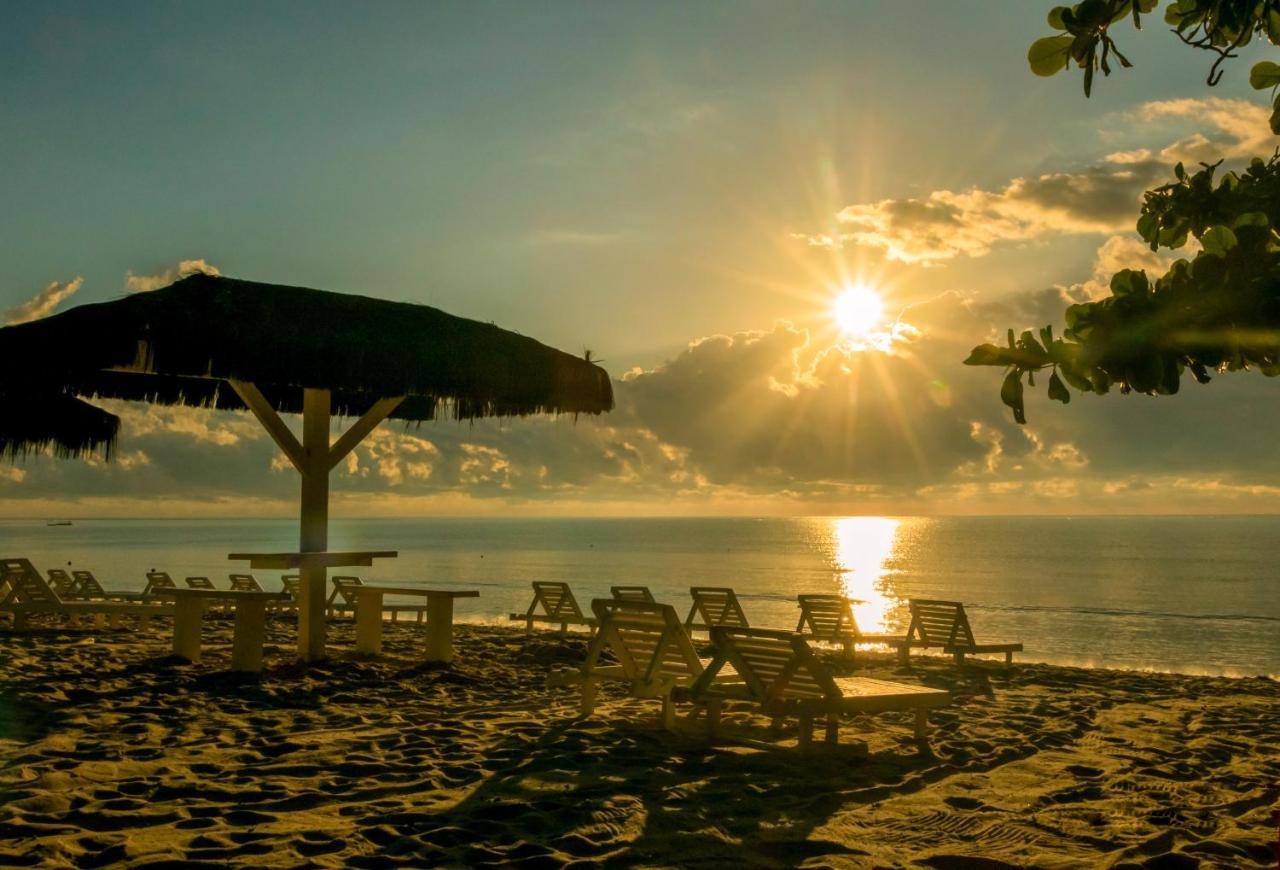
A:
(858, 310)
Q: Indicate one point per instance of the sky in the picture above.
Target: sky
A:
(683, 190)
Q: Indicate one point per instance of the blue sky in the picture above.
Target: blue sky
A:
(628, 178)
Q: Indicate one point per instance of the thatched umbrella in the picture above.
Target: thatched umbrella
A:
(216, 342)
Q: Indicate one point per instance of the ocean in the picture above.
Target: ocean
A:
(1191, 595)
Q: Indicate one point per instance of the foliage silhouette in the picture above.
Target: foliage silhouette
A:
(1218, 311)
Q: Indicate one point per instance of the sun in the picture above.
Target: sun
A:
(858, 310)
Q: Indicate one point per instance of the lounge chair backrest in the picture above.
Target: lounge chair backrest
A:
(24, 585)
(717, 606)
(776, 665)
(200, 583)
(557, 599)
(939, 623)
(87, 585)
(157, 580)
(244, 583)
(648, 640)
(344, 588)
(631, 593)
(827, 617)
(62, 582)
(289, 583)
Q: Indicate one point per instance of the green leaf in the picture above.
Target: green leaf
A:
(1218, 240)
(1058, 390)
(1264, 74)
(1055, 17)
(1275, 117)
(1129, 282)
(1049, 55)
(1079, 381)
(1251, 219)
(986, 355)
(1011, 395)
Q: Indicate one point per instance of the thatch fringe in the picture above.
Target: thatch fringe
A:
(178, 346)
(58, 422)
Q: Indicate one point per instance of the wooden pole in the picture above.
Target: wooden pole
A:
(314, 531)
(313, 458)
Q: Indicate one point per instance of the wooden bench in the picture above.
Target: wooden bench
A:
(439, 610)
(782, 674)
(26, 593)
(830, 618)
(944, 624)
(558, 606)
(250, 630)
(715, 606)
(653, 652)
(631, 593)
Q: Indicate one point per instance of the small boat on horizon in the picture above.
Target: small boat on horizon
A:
(59, 523)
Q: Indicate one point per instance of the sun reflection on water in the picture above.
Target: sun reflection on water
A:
(863, 547)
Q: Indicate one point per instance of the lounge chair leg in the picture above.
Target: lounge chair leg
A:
(806, 730)
(20, 622)
(713, 717)
(775, 724)
(588, 705)
(528, 626)
(1008, 658)
(959, 657)
(564, 629)
(904, 655)
(668, 713)
(833, 728)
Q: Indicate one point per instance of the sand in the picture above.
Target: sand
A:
(114, 754)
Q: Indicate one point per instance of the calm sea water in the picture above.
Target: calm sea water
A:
(1186, 594)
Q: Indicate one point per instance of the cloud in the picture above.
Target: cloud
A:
(144, 283)
(1238, 129)
(43, 303)
(1101, 198)
(946, 224)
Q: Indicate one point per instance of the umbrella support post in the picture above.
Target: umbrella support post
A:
(314, 537)
(313, 457)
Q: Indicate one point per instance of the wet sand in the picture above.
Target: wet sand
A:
(114, 754)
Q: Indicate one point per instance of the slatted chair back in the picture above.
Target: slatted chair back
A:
(631, 593)
(715, 606)
(827, 617)
(157, 580)
(557, 601)
(63, 583)
(289, 583)
(24, 585)
(344, 587)
(777, 666)
(939, 623)
(200, 583)
(245, 583)
(648, 640)
(87, 586)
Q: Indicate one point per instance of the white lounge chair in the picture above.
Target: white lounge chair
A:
(944, 624)
(829, 618)
(631, 593)
(26, 593)
(714, 606)
(782, 674)
(557, 606)
(653, 652)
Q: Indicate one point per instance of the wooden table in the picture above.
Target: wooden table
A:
(439, 618)
(250, 625)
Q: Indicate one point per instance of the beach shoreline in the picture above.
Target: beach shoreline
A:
(116, 754)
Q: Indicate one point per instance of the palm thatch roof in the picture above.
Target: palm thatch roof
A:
(180, 344)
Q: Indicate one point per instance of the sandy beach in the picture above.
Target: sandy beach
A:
(115, 754)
